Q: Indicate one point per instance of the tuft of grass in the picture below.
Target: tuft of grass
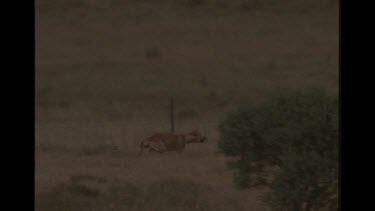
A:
(217, 99)
(203, 81)
(99, 149)
(195, 2)
(83, 190)
(271, 66)
(176, 193)
(49, 148)
(63, 104)
(188, 113)
(251, 4)
(153, 53)
(86, 177)
(126, 194)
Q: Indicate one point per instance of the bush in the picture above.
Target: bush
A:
(289, 144)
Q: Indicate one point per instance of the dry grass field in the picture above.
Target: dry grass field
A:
(105, 71)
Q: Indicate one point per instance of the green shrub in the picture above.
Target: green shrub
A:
(305, 182)
(289, 144)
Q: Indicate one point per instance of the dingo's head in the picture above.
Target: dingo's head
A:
(195, 137)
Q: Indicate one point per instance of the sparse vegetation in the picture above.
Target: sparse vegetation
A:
(174, 194)
(99, 149)
(170, 194)
(68, 197)
(105, 71)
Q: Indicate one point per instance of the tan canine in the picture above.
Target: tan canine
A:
(162, 142)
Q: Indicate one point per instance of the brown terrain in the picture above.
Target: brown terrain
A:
(106, 70)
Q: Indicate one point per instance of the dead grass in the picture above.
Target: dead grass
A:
(167, 194)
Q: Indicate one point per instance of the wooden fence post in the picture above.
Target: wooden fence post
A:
(172, 116)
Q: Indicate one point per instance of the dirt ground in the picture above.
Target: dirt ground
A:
(105, 73)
